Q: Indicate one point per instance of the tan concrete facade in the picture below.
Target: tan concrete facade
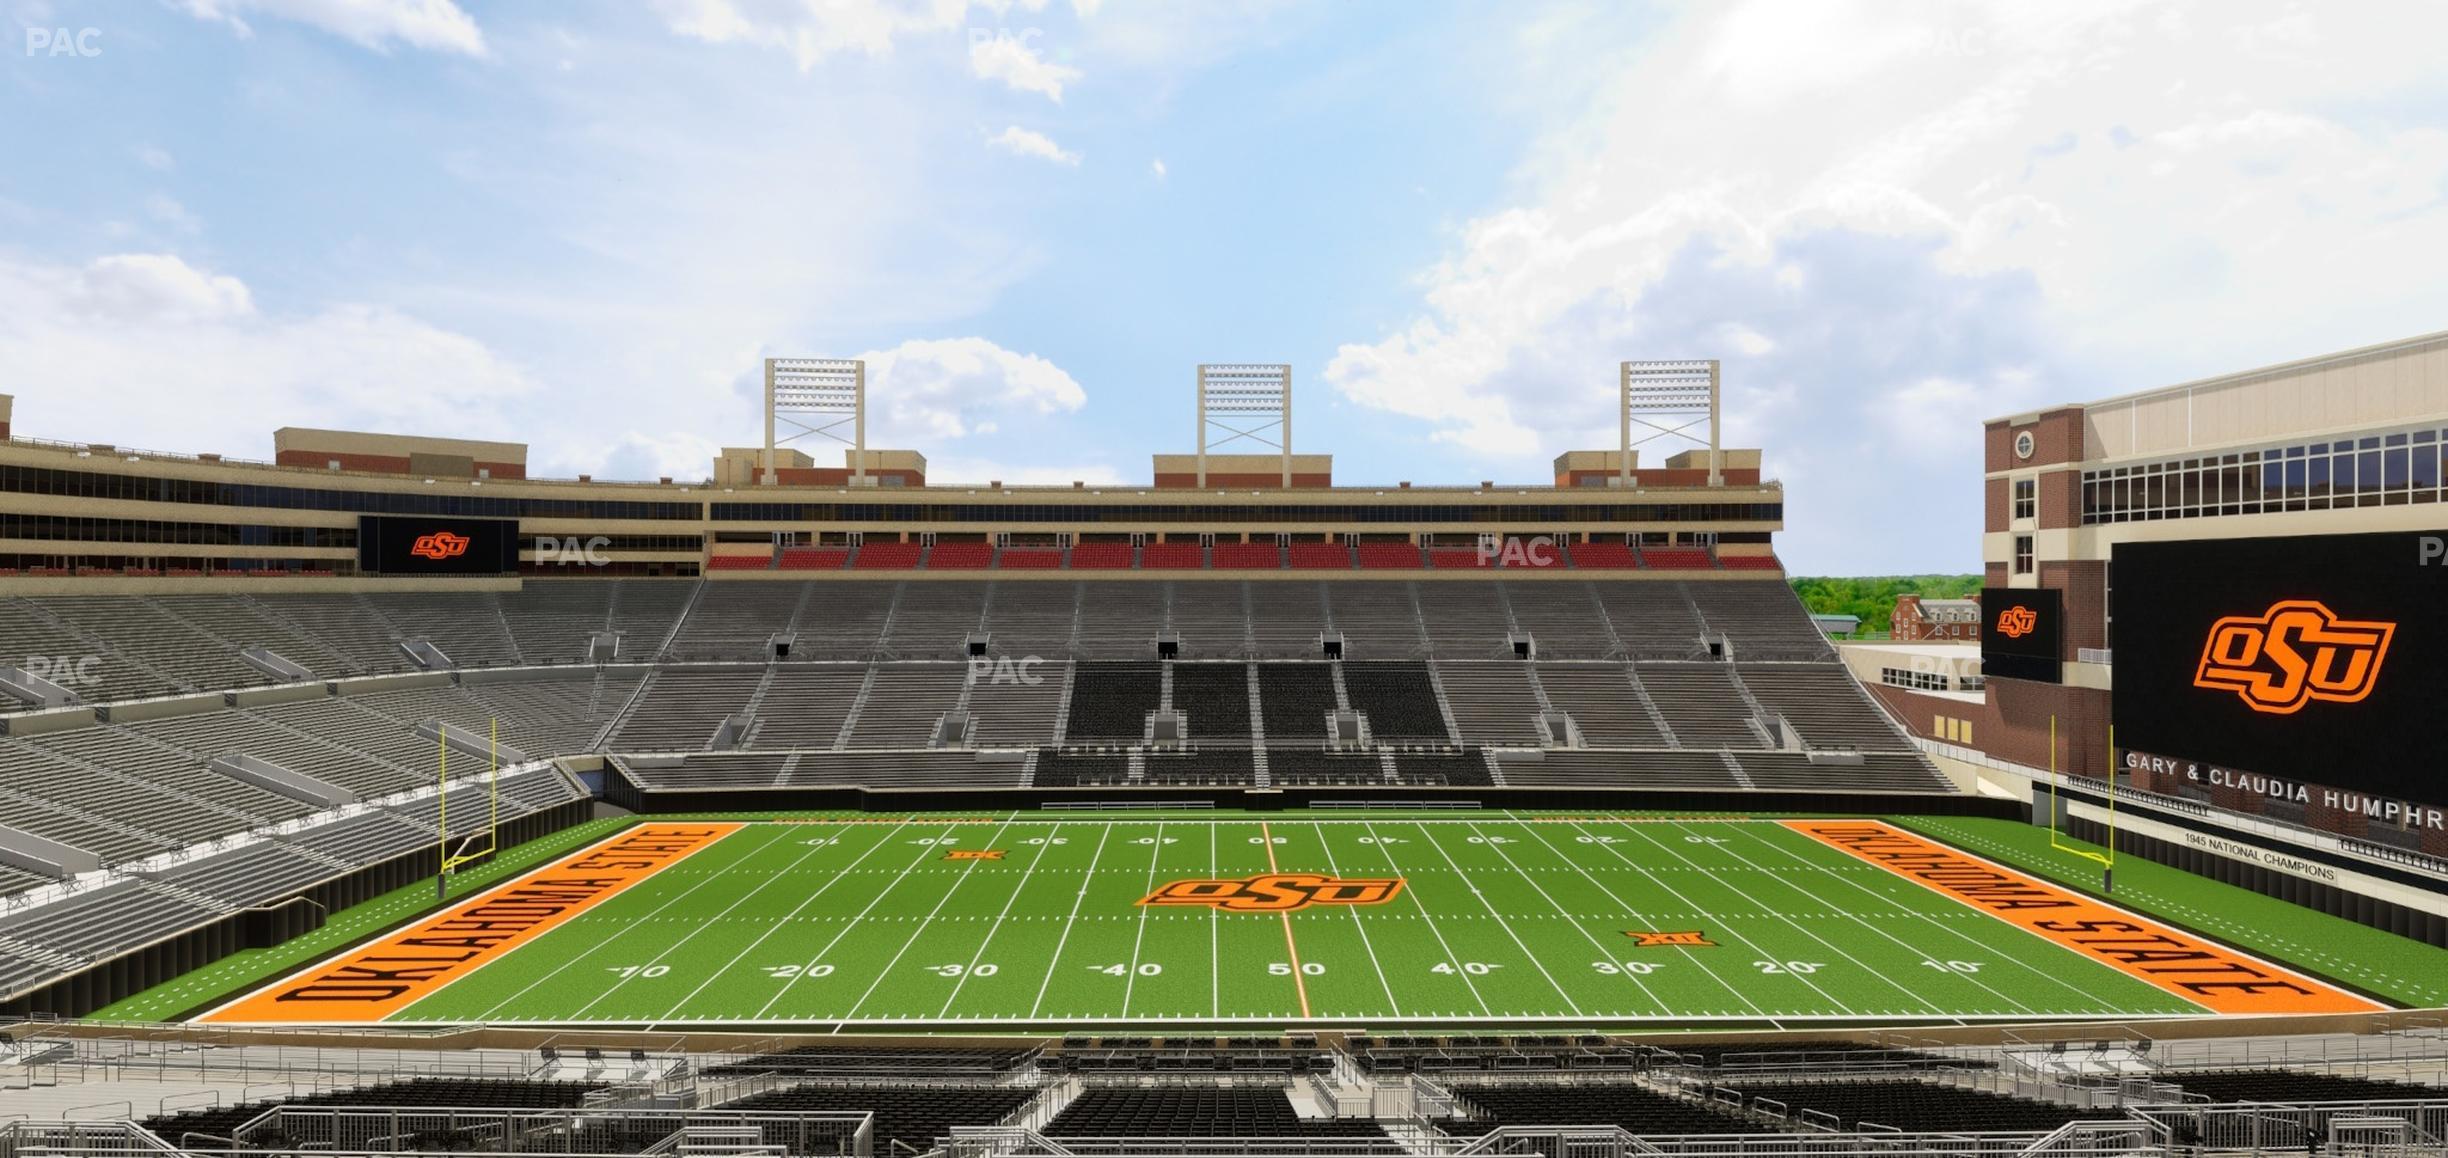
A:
(351, 450)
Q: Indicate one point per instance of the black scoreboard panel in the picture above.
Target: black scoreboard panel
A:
(2271, 664)
(435, 545)
(2022, 634)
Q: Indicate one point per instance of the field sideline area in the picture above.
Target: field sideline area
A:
(1039, 921)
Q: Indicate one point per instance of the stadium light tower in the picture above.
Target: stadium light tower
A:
(1656, 393)
(1255, 398)
(832, 389)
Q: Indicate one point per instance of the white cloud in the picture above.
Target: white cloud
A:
(929, 392)
(166, 209)
(143, 288)
(145, 349)
(435, 25)
(1157, 167)
(1026, 143)
(2139, 194)
(1015, 61)
(811, 30)
(156, 158)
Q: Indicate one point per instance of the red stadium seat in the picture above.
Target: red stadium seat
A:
(1101, 556)
(1248, 557)
(1390, 557)
(960, 557)
(814, 558)
(739, 562)
(1451, 560)
(1030, 559)
(1677, 559)
(1750, 563)
(886, 555)
(1603, 557)
(1176, 556)
(1321, 557)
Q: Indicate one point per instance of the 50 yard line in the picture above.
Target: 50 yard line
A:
(1300, 984)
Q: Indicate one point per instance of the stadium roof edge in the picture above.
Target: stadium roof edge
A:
(2395, 346)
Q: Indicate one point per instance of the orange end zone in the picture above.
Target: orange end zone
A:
(380, 978)
(2197, 969)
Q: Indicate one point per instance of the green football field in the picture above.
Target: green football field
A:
(929, 923)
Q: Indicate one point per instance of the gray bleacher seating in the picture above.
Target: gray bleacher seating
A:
(1493, 702)
(805, 705)
(345, 625)
(1701, 704)
(1603, 702)
(908, 698)
(680, 707)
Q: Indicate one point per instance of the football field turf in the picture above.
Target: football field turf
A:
(1042, 921)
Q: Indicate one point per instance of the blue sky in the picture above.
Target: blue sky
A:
(582, 225)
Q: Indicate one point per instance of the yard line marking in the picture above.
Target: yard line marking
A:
(1413, 892)
(1130, 979)
(1731, 930)
(1569, 919)
(1503, 924)
(923, 852)
(1636, 914)
(1215, 937)
(1391, 1001)
(784, 923)
(1299, 984)
(974, 958)
(1933, 922)
(618, 932)
(1799, 927)
(1073, 919)
(967, 870)
(706, 923)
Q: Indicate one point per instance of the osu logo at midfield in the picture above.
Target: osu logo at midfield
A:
(2296, 652)
(440, 545)
(1277, 892)
(2017, 622)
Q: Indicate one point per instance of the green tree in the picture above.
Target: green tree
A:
(1873, 597)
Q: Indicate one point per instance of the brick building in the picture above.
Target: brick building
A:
(1918, 620)
(2338, 444)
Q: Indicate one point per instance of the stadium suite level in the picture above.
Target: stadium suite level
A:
(77, 517)
(2240, 575)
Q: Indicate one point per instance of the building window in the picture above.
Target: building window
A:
(2387, 468)
(2026, 498)
(2023, 555)
(1919, 681)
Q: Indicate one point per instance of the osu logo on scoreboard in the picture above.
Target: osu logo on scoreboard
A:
(1277, 892)
(2296, 652)
(2017, 622)
(440, 545)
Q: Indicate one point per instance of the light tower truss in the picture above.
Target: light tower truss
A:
(816, 397)
(1669, 399)
(1245, 400)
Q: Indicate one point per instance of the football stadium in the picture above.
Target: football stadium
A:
(381, 798)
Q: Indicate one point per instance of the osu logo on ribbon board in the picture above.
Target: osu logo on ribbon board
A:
(1277, 892)
(440, 545)
(2296, 652)
(2017, 622)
